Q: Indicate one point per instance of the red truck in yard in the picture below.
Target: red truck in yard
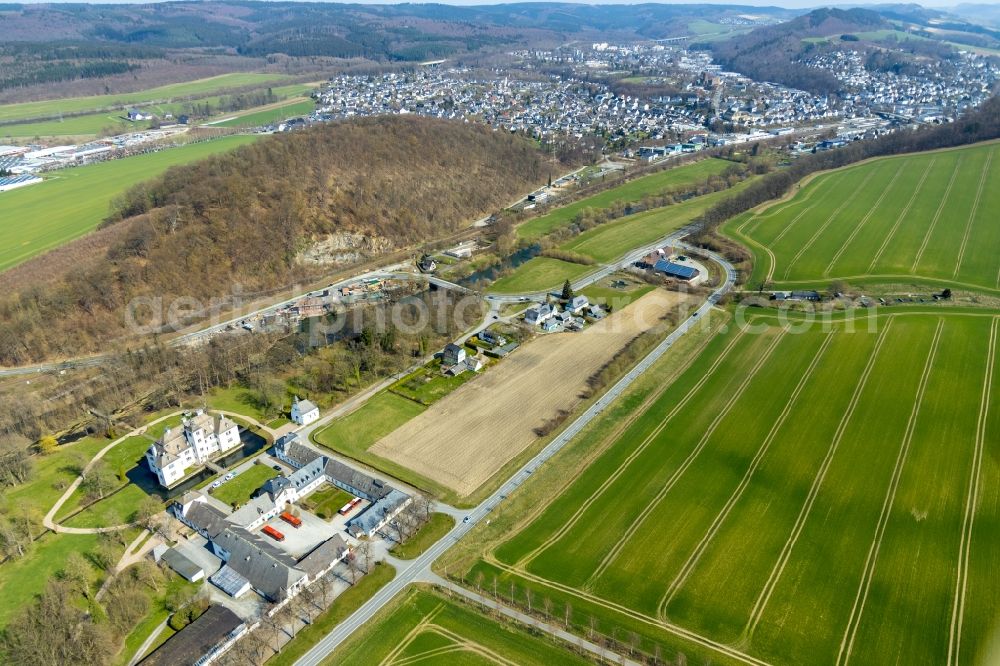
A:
(273, 533)
(294, 521)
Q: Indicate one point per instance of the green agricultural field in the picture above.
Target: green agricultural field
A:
(299, 107)
(429, 628)
(538, 274)
(200, 87)
(630, 192)
(928, 217)
(72, 202)
(800, 494)
(612, 240)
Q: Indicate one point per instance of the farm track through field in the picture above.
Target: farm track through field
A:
(971, 501)
(861, 598)
(471, 646)
(716, 525)
(816, 235)
(800, 521)
(902, 214)
(669, 627)
(972, 214)
(864, 221)
(578, 514)
(937, 216)
(408, 638)
(620, 544)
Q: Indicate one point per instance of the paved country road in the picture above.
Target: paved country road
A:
(420, 569)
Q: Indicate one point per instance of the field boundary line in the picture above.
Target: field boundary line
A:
(815, 236)
(899, 220)
(651, 506)
(716, 525)
(937, 216)
(868, 573)
(786, 551)
(529, 557)
(972, 214)
(613, 436)
(864, 221)
(669, 627)
(972, 499)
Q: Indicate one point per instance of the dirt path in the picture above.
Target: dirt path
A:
(49, 521)
(465, 438)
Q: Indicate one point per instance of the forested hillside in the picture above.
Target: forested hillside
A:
(242, 218)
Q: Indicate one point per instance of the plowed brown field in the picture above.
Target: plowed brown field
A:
(466, 437)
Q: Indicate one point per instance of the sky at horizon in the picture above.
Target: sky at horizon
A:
(789, 4)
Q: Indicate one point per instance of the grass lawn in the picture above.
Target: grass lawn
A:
(439, 525)
(277, 113)
(605, 294)
(327, 501)
(236, 399)
(750, 493)
(928, 216)
(538, 274)
(198, 87)
(425, 626)
(342, 607)
(238, 490)
(72, 202)
(379, 416)
(21, 580)
(52, 474)
(427, 385)
(157, 614)
(353, 435)
(630, 192)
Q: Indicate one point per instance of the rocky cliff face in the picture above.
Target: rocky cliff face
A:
(343, 248)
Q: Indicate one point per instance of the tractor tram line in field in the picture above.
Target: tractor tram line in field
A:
(650, 506)
(847, 643)
(937, 216)
(864, 220)
(971, 503)
(669, 627)
(523, 562)
(702, 545)
(899, 218)
(786, 552)
(972, 214)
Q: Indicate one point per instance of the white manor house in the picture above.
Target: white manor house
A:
(200, 438)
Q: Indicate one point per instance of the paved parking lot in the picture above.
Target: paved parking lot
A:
(300, 540)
